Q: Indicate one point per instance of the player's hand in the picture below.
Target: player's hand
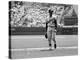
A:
(60, 25)
(55, 30)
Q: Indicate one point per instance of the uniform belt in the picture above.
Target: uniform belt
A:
(52, 26)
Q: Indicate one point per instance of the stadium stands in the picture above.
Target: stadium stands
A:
(27, 19)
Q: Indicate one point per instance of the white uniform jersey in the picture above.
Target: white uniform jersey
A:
(51, 23)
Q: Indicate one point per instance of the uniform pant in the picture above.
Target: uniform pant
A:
(51, 34)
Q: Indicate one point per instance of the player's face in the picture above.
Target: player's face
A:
(54, 9)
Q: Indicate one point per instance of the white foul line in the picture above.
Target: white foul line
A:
(44, 48)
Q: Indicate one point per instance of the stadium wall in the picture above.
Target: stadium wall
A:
(41, 31)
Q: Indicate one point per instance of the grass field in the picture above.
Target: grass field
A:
(36, 46)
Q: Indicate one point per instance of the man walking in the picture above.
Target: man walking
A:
(51, 28)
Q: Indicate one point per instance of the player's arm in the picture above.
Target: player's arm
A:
(51, 19)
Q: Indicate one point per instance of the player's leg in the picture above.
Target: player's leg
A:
(49, 34)
(53, 38)
(46, 30)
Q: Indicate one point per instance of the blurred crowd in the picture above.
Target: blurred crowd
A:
(33, 14)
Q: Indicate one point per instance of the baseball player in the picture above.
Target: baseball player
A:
(51, 28)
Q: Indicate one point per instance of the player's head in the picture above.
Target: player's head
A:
(52, 10)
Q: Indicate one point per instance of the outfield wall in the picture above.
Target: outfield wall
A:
(41, 31)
